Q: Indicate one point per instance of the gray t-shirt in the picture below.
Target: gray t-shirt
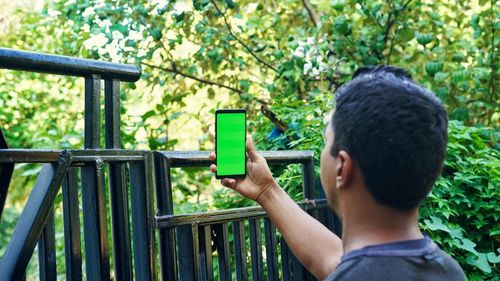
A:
(409, 260)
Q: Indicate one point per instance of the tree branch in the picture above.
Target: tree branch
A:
(390, 23)
(493, 67)
(201, 80)
(312, 14)
(252, 53)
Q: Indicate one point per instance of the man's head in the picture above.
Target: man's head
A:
(393, 131)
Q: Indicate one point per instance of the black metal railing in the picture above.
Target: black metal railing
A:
(187, 242)
(145, 233)
(70, 169)
(32, 224)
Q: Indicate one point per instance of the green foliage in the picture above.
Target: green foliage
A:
(462, 212)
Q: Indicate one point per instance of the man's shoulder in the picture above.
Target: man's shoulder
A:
(434, 265)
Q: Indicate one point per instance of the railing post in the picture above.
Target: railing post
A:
(112, 113)
(285, 260)
(222, 245)
(47, 250)
(93, 194)
(94, 222)
(142, 219)
(240, 251)
(117, 185)
(309, 194)
(271, 250)
(164, 204)
(71, 216)
(92, 116)
(6, 170)
(256, 250)
(206, 258)
(189, 252)
(308, 180)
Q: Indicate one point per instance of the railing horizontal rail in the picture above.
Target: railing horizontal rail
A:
(200, 158)
(176, 158)
(29, 156)
(230, 215)
(79, 156)
(63, 65)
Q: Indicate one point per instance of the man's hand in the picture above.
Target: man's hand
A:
(258, 178)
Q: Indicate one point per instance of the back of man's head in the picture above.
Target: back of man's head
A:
(395, 130)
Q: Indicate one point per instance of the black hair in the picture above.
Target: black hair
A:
(395, 130)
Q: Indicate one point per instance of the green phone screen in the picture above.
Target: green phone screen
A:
(230, 143)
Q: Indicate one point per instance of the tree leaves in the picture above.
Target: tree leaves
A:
(424, 39)
(342, 25)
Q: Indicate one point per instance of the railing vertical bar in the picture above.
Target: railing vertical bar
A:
(308, 180)
(166, 237)
(112, 113)
(309, 194)
(240, 251)
(93, 194)
(189, 253)
(6, 170)
(150, 210)
(337, 223)
(271, 251)
(71, 219)
(285, 260)
(47, 250)
(142, 222)
(298, 273)
(206, 262)
(222, 245)
(118, 187)
(308, 184)
(120, 221)
(256, 250)
(92, 111)
(94, 221)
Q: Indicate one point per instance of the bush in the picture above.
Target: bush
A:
(462, 212)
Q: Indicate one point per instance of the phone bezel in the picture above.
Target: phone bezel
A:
(226, 111)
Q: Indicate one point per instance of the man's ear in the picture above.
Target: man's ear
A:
(344, 169)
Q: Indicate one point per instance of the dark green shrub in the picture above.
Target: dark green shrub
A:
(462, 212)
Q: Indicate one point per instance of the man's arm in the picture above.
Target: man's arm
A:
(316, 247)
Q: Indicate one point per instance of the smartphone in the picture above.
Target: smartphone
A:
(230, 143)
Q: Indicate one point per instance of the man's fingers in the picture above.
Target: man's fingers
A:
(213, 168)
(228, 183)
(211, 156)
(252, 152)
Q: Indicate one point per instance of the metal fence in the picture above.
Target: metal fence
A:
(147, 237)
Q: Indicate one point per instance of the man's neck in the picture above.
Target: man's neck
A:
(378, 225)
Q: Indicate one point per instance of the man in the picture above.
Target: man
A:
(384, 148)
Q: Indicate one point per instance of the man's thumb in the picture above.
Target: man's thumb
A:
(252, 152)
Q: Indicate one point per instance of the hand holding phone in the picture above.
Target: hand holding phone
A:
(254, 177)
